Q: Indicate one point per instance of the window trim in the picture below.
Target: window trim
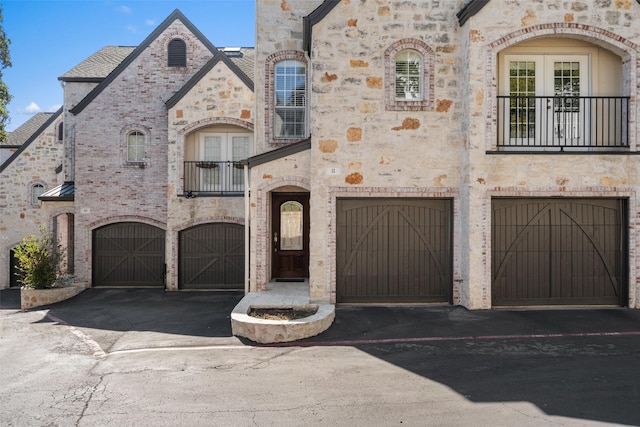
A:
(137, 147)
(426, 102)
(270, 88)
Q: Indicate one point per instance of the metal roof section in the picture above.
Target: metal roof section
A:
(62, 193)
(221, 56)
(278, 153)
(313, 18)
(175, 15)
(26, 130)
(99, 65)
(32, 138)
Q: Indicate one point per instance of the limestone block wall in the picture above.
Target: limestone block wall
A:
(220, 102)
(108, 189)
(278, 30)
(74, 92)
(20, 217)
(601, 29)
(364, 144)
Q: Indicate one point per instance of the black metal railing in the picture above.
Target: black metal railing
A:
(202, 177)
(581, 123)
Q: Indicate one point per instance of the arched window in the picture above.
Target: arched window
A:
(135, 147)
(177, 53)
(36, 191)
(61, 131)
(290, 99)
(409, 82)
(409, 76)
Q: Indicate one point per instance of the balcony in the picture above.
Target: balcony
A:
(208, 178)
(563, 123)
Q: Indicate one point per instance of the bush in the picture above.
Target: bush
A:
(38, 261)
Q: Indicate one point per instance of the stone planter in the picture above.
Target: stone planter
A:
(30, 298)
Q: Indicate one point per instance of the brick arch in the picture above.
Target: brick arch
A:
(210, 121)
(626, 49)
(126, 218)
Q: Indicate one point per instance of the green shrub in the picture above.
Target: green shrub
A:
(38, 261)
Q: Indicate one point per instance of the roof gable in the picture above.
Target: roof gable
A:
(218, 57)
(32, 138)
(175, 15)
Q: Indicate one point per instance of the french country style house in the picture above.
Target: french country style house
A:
(482, 153)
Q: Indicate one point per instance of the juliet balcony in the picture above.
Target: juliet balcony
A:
(563, 123)
(211, 178)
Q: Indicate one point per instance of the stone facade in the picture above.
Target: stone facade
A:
(35, 165)
(363, 146)
(219, 103)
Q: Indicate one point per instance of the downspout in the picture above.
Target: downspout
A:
(247, 227)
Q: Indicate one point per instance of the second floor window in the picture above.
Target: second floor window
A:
(290, 99)
(408, 75)
(135, 147)
(177, 53)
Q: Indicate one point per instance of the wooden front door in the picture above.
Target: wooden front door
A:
(290, 235)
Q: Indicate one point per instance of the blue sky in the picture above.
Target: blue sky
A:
(49, 37)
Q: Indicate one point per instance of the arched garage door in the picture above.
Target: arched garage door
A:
(558, 251)
(128, 254)
(393, 250)
(212, 257)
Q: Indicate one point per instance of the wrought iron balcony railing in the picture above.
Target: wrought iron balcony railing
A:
(563, 123)
(213, 178)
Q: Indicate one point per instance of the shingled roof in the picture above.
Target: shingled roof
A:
(27, 129)
(244, 60)
(98, 66)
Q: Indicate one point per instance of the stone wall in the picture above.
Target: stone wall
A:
(20, 217)
(219, 102)
(364, 146)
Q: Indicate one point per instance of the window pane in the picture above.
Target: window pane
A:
(408, 75)
(135, 147)
(36, 191)
(290, 99)
(291, 226)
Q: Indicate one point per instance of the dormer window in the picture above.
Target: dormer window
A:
(177, 53)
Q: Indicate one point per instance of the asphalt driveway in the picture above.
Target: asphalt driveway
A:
(376, 365)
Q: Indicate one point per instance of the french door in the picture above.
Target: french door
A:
(220, 154)
(545, 108)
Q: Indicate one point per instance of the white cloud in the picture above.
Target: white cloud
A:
(132, 29)
(123, 9)
(150, 22)
(32, 108)
(54, 108)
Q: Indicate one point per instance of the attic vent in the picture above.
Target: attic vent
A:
(177, 53)
(233, 52)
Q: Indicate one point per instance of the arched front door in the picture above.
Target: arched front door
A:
(290, 235)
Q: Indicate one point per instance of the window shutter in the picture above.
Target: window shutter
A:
(177, 53)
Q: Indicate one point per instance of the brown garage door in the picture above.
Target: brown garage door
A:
(558, 251)
(393, 250)
(128, 254)
(212, 257)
